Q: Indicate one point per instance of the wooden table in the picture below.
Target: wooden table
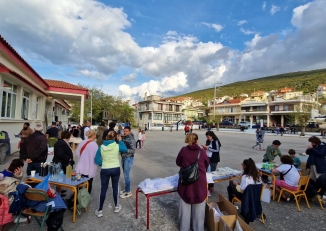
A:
(66, 183)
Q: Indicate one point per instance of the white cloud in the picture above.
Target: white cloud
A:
(92, 74)
(298, 14)
(156, 87)
(130, 78)
(241, 22)
(70, 34)
(274, 9)
(247, 32)
(264, 6)
(216, 27)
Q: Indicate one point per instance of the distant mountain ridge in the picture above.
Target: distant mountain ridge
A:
(306, 81)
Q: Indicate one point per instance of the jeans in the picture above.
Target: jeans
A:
(106, 174)
(126, 166)
(33, 166)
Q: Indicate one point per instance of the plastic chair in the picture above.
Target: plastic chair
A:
(236, 199)
(303, 183)
(321, 200)
(39, 196)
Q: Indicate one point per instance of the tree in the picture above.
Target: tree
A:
(101, 102)
(302, 115)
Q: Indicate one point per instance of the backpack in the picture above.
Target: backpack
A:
(17, 202)
(83, 198)
(5, 216)
(4, 137)
(7, 185)
(55, 220)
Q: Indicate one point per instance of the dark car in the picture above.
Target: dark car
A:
(227, 123)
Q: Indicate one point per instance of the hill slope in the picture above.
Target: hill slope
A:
(306, 81)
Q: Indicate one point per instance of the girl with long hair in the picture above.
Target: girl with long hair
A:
(212, 148)
(250, 176)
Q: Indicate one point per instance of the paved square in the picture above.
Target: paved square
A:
(157, 159)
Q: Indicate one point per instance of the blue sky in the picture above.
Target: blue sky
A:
(165, 47)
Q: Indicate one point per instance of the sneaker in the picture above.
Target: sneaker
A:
(117, 209)
(125, 195)
(208, 193)
(122, 192)
(98, 213)
(22, 219)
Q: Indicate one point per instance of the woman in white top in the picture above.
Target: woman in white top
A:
(250, 176)
(212, 148)
(289, 175)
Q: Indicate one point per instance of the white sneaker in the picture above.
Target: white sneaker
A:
(122, 192)
(117, 209)
(125, 195)
(98, 213)
(22, 219)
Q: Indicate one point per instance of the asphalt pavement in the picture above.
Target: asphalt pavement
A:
(157, 159)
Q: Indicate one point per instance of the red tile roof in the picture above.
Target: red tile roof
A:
(62, 84)
(15, 53)
(4, 68)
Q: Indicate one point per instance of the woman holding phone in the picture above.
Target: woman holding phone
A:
(212, 148)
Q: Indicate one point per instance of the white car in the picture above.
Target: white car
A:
(244, 123)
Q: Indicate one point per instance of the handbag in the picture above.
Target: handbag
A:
(190, 174)
(282, 175)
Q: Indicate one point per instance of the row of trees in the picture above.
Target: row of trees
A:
(117, 108)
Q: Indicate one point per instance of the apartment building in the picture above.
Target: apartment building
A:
(155, 110)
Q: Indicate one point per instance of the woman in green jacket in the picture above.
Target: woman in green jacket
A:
(107, 157)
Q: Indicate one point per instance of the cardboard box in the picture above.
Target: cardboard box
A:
(225, 206)
(267, 193)
(227, 223)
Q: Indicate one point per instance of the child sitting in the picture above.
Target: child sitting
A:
(14, 169)
(296, 160)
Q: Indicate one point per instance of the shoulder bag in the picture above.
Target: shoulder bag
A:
(190, 174)
(282, 175)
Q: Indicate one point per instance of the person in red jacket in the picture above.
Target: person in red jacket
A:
(192, 197)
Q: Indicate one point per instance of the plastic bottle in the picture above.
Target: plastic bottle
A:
(41, 170)
(68, 171)
(209, 168)
(60, 176)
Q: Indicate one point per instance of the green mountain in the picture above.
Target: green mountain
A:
(306, 81)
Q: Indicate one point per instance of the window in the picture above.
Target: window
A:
(160, 106)
(25, 105)
(140, 116)
(36, 106)
(150, 116)
(157, 116)
(177, 108)
(8, 101)
(286, 107)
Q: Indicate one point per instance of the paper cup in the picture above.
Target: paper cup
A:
(33, 173)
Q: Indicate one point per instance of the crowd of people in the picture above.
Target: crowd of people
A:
(105, 146)
(98, 148)
(192, 197)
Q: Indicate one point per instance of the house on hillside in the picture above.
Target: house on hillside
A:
(26, 97)
(155, 110)
(229, 109)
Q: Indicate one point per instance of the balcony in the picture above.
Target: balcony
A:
(156, 108)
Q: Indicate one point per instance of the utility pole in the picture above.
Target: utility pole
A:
(215, 84)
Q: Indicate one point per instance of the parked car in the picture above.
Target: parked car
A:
(227, 123)
(244, 123)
